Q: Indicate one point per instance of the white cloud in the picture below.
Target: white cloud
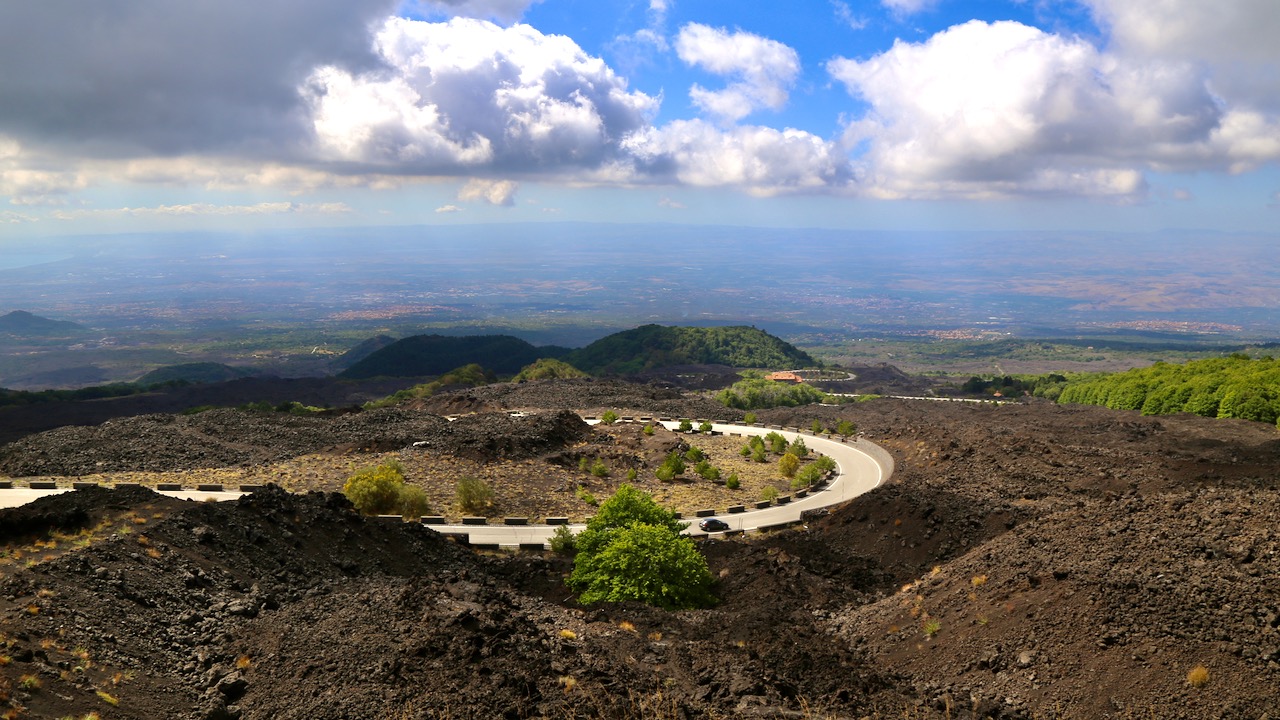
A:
(1183, 195)
(494, 192)
(764, 70)
(983, 109)
(846, 17)
(469, 93)
(908, 7)
(448, 209)
(761, 160)
(667, 202)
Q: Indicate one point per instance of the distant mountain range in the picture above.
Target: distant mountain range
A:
(626, 352)
(23, 324)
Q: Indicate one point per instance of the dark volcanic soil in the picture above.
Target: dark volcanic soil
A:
(1026, 561)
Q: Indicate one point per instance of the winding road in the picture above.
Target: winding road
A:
(861, 467)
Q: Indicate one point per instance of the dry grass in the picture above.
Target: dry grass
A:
(1198, 676)
(568, 634)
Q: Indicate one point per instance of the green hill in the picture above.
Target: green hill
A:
(654, 346)
(362, 350)
(23, 324)
(1231, 387)
(200, 372)
(422, 355)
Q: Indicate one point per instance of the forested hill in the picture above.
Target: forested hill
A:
(422, 355)
(1231, 387)
(652, 346)
(21, 323)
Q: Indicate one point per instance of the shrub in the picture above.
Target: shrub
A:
(587, 497)
(931, 628)
(686, 426)
(632, 550)
(675, 462)
(474, 495)
(732, 481)
(825, 464)
(599, 469)
(758, 455)
(788, 465)
(769, 493)
(694, 455)
(563, 541)
(808, 475)
(413, 502)
(376, 491)
(798, 448)
(584, 464)
(745, 451)
(846, 428)
(705, 427)
(609, 417)
(648, 429)
(777, 443)
(749, 418)
(665, 473)
(707, 471)
(632, 474)
(1198, 676)
(816, 427)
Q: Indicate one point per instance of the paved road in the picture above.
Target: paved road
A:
(859, 472)
(862, 466)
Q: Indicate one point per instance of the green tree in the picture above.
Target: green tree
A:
(563, 541)
(474, 496)
(686, 425)
(798, 448)
(732, 482)
(769, 493)
(632, 550)
(777, 443)
(648, 429)
(749, 418)
(705, 427)
(693, 454)
(816, 427)
(788, 465)
(599, 469)
(846, 428)
(758, 455)
(609, 417)
(548, 369)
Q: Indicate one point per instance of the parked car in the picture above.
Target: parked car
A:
(712, 525)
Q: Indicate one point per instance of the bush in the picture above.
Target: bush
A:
(788, 465)
(376, 491)
(816, 427)
(758, 455)
(599, 469)
(413, 502)
(705, 427)
(749, 418)
(474, 496)
(707, 471)
(798, 448)
(693, 455)
(609, 417)
(648, 429)
(686, 426)
(586, 496)
(632, 474)
(745, 451)
(846, 428)
(665, 473)
(632, 550)
(777, 443)
(584, 464)
(675, 462)
(732, 482)
(752, 394)
(563, 541)
(808, 475)
(769, 493)
(825, 464)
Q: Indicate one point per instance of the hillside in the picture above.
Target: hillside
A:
(1232, 387)
(422, 355)
(202, 372)
(653, 346)
(22, 324)
(1026, 562)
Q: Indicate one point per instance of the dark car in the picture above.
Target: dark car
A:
(712, 525)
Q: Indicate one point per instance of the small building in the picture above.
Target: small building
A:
(784, 376)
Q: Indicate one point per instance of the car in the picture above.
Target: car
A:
(712, 525)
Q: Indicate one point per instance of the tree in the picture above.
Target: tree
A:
(599, 469)
(788, 465)
(609, 417)
(749, 418)
(846, 428)
(798, 448)
(777, 443)
(632, 550)
(694, 454)
(686, 425)
(732, 482)
(705, 427)
(816, 427)
(548, 369)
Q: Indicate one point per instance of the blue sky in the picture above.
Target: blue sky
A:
(148, 115)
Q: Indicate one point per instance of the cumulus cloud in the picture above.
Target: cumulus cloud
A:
(448, 209)
(763, 70)
(494, 192)
(30, 180)
(667, 202)
(761, 160)
(468, 93)
(992, 108)
(158, 77)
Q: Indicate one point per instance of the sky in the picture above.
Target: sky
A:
(159, 116)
